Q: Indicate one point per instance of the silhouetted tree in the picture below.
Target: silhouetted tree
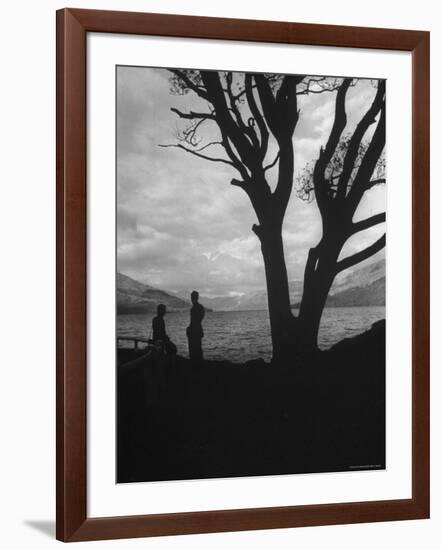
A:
(250, 111)
(347, 167)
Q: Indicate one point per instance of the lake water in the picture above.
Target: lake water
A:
(242, 335)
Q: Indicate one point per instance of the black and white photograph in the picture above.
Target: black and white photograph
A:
(250, 274)
(219, 281)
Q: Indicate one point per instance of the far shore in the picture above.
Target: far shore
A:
(294, 307)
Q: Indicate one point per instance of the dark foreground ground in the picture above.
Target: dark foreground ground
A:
(225, 420)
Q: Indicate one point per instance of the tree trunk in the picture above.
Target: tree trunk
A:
(319, 276)
(281, 319)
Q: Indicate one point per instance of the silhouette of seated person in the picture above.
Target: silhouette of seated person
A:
(160, 337)
(195, 332)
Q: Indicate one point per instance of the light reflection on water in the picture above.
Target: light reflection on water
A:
(242, 335)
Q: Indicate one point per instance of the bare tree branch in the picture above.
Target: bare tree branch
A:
(356, 139)
(336, 131)
(239, 95)
(370, 159)
(246, 129)
(189, 134)
(258, 117)
(368, 222)
(267, 100)
(196, 153)
(273, 163)
(326, 154)
(372, 183)
(192, 115)
(210, 144)
(362, 255)
(233, 106)
(245, 185)
(240, 167)
(224, 118)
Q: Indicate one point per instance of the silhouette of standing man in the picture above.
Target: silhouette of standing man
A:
(194, 330)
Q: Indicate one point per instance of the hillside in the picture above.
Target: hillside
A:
(363, 286)
(135, 297)
(361, 276)
(372, 294)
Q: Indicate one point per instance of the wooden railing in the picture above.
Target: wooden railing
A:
(135, 339)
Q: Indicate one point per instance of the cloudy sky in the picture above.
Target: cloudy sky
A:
(180, 224)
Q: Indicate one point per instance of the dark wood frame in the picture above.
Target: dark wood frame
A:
(72, 521)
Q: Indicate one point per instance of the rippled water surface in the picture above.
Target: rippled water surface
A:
(242, 335)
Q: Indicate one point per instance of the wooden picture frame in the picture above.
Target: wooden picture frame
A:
(73, 524)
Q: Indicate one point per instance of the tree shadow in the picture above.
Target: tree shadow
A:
(47, 527)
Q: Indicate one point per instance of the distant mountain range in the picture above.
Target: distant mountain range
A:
(135, 297)
(250, 301)
(364, 286)
(372, 294)
(361, 277)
